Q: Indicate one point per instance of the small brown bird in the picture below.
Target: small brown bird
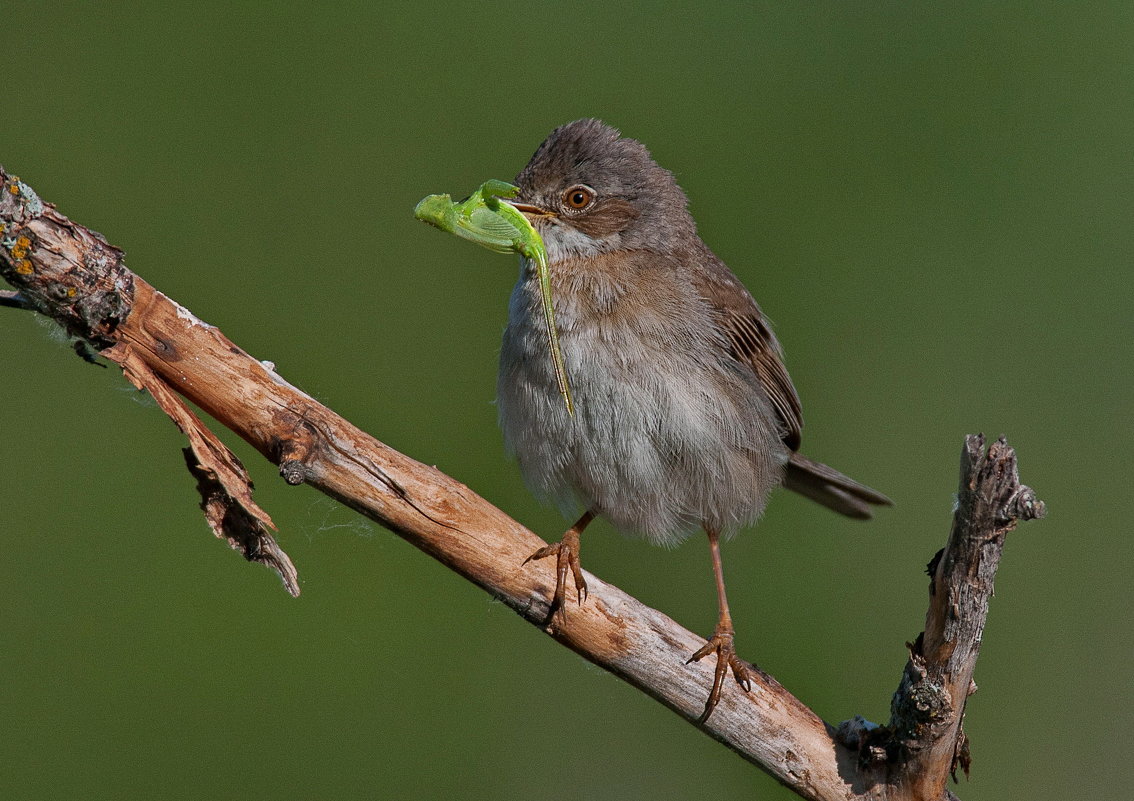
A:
(685, 417)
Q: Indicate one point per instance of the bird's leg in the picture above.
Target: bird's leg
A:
(566, 552)
(721, 641)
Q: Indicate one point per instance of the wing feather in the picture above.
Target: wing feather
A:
(752, 343)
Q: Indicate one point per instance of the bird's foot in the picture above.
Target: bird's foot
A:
(721, 644)
(566, 553)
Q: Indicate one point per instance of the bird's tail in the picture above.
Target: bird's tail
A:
(831, 488)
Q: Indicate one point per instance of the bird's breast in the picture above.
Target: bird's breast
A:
(666, 436)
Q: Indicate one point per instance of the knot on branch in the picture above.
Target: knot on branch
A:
(921, 708)
(868, 740)
(993, 488)
(293, 454)
(921, 712)
(1024, 505)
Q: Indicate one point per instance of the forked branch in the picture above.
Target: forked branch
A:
(70, 273)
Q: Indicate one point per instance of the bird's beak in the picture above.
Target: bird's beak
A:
(530, 211)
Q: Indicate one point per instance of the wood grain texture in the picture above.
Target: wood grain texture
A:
(71, 274)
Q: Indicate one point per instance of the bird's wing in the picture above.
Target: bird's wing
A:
(751, 342)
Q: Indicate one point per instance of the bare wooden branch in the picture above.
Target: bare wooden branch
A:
(923, 743)
(929, 706)
(71, 274)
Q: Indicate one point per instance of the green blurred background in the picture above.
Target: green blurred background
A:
(933, 204)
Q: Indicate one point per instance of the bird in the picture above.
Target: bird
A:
(685, 418)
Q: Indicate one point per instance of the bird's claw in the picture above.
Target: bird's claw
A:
(566, 552)
(721, 643)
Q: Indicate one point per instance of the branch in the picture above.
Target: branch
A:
(924, 742)
(71, 274)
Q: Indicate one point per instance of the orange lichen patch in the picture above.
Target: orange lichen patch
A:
(23, 242)
(71, 291)
(14, 187)
(19, 253)
(23, 267)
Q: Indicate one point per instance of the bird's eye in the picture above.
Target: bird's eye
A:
(579, 197)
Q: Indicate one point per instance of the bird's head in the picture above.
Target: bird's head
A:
(588, 191)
